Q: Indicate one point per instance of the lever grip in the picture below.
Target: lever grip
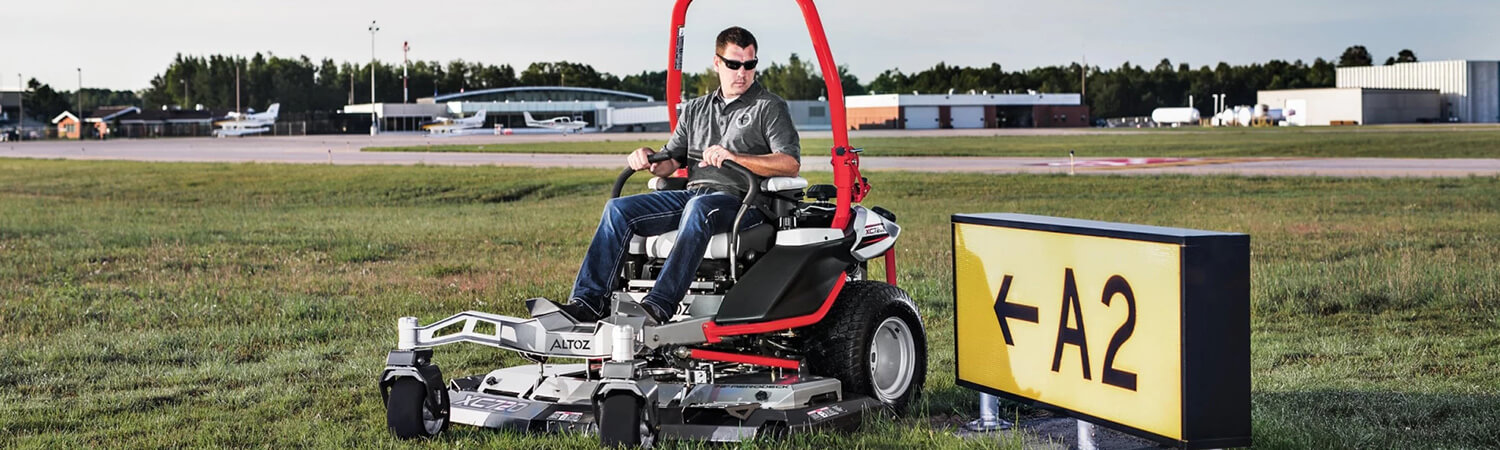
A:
(625, 175)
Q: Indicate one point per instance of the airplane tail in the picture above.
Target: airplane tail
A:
(480, 115)
(274, 109)
(529, 120)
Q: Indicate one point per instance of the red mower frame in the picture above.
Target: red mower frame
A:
(851, 187)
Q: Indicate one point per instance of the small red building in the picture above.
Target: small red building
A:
(67, 125)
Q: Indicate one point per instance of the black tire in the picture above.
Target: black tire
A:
(620, 421)
(839, 346)
(407, 415)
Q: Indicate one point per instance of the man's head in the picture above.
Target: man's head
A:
(735, 60)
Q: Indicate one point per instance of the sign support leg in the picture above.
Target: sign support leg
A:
(989, 416)
(1086, 436)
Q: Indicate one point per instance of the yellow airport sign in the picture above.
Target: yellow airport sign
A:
(1143, 329)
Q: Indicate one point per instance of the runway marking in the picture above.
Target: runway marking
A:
(1108, 164)
(1113, 162)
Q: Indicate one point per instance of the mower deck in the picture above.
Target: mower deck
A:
(554, 398)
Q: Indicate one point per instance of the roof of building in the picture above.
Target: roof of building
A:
(64, 115)
(964, 99)
(106, 113)
(174, 115)
(543, 93)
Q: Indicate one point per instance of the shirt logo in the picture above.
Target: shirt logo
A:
(743, 121)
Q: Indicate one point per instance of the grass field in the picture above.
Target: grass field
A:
(1386, 142)
(212, 305)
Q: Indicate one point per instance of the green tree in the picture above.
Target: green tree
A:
(1356, 56)
(649, 83)
(1406, 56)
(44, 103)
(797, 80)
(563, 73)
(704, 83)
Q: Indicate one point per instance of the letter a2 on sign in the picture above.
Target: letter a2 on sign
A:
(1142, 329)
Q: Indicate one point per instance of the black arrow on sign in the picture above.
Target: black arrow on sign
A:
(1005, 310)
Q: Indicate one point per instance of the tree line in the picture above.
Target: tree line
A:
(301, 84)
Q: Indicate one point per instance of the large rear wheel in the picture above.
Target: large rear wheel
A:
(873, 342)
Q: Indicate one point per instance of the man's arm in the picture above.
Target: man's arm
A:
(769, 165)
(676, 146)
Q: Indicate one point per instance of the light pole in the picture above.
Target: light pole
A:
(21, 104)
(20, 122)
(185, 100)
(374, 118)
(78, 97)
(404, 63)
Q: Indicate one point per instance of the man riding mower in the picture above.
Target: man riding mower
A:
(776, 329)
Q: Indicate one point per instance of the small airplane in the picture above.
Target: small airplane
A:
(564, 124)
(248, 123)
(447, 126)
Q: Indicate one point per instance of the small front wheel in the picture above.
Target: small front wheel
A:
(408, 414)
(621, 423)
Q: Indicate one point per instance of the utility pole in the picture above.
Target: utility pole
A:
(405, 47)
(185, 100)
(374, 117)
(237, 109)
(78, 98)
(1083, 83)
(21, 122)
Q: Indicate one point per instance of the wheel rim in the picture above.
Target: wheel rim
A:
(431, 422)
(892, 357)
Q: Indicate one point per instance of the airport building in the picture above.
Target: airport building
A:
(1436, 91)
(10, 105)
(609, 110)
(603, 109)
(11, 123)
(934, 111)
(1354, 106)
(1470, 90)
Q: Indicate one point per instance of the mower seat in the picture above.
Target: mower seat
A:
(756, 239)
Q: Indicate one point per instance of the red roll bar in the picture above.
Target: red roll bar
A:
(851, 187)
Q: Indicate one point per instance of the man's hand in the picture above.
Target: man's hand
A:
(716, 155)
(637, 158)
(638, 161)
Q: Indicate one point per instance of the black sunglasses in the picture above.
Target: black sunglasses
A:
(735, 65)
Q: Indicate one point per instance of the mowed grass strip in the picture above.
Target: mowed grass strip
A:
(252, 305)
(1379, 142)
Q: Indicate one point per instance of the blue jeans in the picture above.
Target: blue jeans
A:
(697, 214)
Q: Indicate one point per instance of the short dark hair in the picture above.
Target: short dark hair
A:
(734, 35)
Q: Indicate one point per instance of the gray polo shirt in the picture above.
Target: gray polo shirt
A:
(756, 123)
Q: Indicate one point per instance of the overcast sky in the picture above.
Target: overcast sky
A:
(122, 44)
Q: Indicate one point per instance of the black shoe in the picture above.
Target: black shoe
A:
(657, 312)
(580, 312)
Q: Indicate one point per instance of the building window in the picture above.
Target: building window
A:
(817, 111)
